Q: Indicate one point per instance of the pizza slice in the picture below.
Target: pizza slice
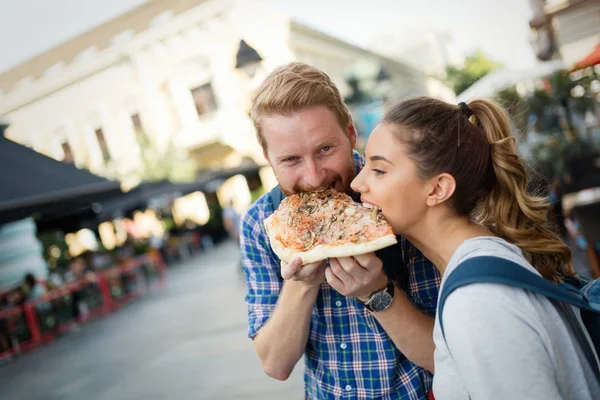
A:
(319, 225)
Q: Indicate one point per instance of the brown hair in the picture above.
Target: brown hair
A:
(293, 87)
(479, 151)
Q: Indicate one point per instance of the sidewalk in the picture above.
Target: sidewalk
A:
(187, 341)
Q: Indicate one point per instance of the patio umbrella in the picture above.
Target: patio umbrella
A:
(32, 183)
(592, 59)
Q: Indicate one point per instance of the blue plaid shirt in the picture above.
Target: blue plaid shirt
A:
(348, 354)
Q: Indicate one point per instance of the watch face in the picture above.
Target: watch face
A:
(380, 301)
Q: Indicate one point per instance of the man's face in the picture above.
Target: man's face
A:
(308, 150)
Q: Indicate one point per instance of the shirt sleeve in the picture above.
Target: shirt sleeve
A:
(423, 279)
(261, 268)
(494, 337)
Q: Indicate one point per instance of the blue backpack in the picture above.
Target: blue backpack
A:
(577, 292)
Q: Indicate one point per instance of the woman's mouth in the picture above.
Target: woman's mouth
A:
(369, 205)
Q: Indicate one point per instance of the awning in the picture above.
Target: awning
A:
(138, 198)
(592, 59)
(109, 208)
(211, 154)
(31, 183)
(503, 78)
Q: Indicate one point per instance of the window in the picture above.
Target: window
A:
(68, 153)
(138, 129)
(137, 125)
(204, 99)
(102, 145)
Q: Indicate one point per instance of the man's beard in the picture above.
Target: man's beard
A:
(336, 181)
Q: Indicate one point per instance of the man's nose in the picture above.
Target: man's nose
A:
(315, 175)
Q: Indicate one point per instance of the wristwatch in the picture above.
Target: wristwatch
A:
(381, 299)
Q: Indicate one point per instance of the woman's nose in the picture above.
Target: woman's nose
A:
(357, 183)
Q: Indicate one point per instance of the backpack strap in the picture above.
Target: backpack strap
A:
(276, 196)
(489, 269)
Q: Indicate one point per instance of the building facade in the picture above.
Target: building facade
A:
(565, 29)
(165, 74)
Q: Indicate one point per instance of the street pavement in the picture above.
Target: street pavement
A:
(186, 341)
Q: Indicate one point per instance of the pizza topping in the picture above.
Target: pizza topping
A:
(327, 217)
(313, 222)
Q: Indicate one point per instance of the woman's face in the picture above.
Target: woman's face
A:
(390, 181)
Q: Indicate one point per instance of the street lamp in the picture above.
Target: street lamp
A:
(383, 83)
(247, 59)
(383, 75)
(3, 126)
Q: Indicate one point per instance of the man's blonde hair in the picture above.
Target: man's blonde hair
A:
(293, 87)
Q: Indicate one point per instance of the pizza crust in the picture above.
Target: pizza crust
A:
(322, 252)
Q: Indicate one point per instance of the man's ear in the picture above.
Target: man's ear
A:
(441, 189)
(352, 133)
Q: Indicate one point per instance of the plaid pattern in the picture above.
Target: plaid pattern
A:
(348, 354)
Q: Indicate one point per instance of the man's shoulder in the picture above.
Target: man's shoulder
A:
(359, 160)
(258, 211)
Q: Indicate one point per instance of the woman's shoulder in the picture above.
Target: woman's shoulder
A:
(487, 246)
(487, 299)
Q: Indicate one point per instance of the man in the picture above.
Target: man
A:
(319, 309)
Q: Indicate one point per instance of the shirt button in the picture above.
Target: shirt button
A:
(343, 345)
(348, 388)
(338, 303)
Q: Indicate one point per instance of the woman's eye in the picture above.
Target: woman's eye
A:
(378, 171)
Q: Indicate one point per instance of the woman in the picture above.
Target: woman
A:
(450, 180)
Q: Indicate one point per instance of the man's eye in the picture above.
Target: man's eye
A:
(290, 159)
(325, 148)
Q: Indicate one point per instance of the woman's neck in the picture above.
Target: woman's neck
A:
(438, 238)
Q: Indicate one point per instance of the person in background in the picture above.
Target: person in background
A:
(34, 289)
(231, 221)
(80, 271)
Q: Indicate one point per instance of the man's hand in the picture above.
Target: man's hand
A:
(357, 276)
(312, 275)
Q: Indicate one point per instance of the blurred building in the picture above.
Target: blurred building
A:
(566, 29)
(169, 73)
(425, 48)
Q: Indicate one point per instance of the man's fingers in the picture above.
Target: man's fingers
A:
(339, 272)
(308, 270)
(334, 281)
(368, 261)
(352, 267)
(288, 270)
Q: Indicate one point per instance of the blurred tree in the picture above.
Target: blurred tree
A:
(477, 65)
(584, 101)
(158, 163)
(561, 86)
(512, 101)
(541, 106)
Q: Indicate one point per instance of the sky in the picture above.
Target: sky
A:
(499, 28)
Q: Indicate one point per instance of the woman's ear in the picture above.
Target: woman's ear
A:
(442, 188)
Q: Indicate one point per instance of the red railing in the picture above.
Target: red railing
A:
(39, 321)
